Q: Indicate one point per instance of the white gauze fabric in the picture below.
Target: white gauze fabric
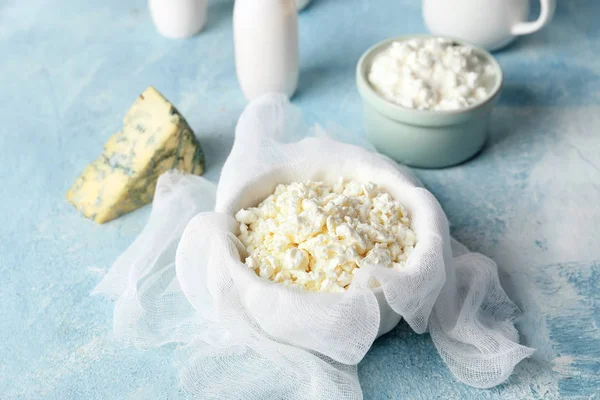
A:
(245, 337)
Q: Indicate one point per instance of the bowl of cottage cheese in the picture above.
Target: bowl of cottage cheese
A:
(316, 237)
(428, 99)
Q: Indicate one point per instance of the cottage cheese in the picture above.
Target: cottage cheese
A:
(432, 74)
(316, 237)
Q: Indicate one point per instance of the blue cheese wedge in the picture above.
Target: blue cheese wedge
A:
(155, 138)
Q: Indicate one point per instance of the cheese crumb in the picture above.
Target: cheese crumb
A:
(315, 237)
(432, 74)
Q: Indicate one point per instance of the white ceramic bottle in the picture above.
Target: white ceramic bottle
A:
(266, 46)
(178, 18)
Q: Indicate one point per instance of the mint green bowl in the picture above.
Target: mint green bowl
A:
(424, 138)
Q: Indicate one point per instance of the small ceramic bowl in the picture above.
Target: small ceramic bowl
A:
(301, 4)
(424, 138)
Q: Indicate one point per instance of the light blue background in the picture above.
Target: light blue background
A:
(70, 69)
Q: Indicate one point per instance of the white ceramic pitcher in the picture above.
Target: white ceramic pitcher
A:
(490, 24)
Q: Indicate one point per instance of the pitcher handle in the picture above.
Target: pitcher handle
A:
(546, 13)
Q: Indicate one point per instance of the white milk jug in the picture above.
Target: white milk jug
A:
(490, 24)
(266, 46)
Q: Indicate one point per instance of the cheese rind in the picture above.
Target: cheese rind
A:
(154, 139)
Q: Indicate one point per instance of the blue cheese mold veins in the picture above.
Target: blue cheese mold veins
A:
(154, 138)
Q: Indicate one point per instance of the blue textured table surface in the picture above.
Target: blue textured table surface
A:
(69, 71)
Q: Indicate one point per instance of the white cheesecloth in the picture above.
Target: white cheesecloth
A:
(241, 337)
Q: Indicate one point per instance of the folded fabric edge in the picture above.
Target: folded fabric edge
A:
(173, 185)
